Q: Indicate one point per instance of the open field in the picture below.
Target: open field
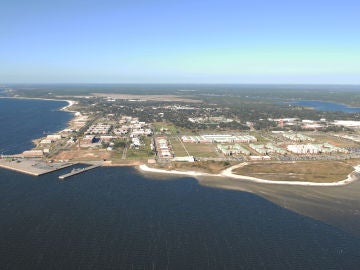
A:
(172, 98)
(335, 141)
(177, 147)
(123, 162)
(171, 128)
(141, 153)
(83, 154)
(309, 171)
(202, 149)
(144, 151)
(213, 167)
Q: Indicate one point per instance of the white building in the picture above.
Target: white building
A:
(219, 138)
(53, 137)
(303, 149)
(348, 124)
(297, 137)
(99, 129)
(184, 159)
(46, 141)
(325, 148)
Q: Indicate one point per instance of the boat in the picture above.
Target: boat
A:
(75, 170)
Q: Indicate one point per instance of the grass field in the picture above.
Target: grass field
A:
(213, 167)
(178, 148)
(171, 128)
(201, 149)
(194, 149)
(309, 171)
(143, 152)
(335, 141)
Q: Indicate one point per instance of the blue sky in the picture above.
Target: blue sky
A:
(139, 41)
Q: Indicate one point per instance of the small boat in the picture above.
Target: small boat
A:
(77, 170)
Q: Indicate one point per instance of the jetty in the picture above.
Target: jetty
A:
(78, 171)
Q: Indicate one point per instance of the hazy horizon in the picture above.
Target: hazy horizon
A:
(5, 84)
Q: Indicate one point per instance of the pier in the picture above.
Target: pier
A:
(33, 167)
(78, 171)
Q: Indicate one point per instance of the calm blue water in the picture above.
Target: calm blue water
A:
(326, 106)
(22, 120)
(114, 218)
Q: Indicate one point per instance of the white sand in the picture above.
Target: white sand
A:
(66, 108)
(229, 174)
(146, 168)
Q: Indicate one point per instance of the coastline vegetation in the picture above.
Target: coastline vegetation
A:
(305, 171)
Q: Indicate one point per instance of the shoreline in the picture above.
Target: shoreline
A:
(65, 109)
(344, 104)
(146, 168)
(229, 174)
(71, 102)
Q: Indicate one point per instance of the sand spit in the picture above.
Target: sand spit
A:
(229, 174)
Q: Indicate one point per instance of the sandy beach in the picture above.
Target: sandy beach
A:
(66, 108)
(229, 174)
(146, 168)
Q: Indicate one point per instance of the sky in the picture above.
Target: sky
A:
(145, 41)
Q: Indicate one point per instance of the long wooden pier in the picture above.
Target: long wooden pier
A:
(78, 171)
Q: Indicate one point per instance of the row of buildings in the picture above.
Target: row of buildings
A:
(315, 125)
(231, 150)
(134, 127)
(211, 119)
(163, 148)
(100, 128)
(51, 138)
(297, 137)
(325, 148)
(219, 138)
(266, 149)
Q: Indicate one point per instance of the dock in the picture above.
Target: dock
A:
(78, 171)
(33, 167)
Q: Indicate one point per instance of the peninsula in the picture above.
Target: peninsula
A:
(200, 134)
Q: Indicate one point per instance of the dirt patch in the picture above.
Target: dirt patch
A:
(82, 155)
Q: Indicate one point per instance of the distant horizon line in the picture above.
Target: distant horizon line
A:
(182, 83)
